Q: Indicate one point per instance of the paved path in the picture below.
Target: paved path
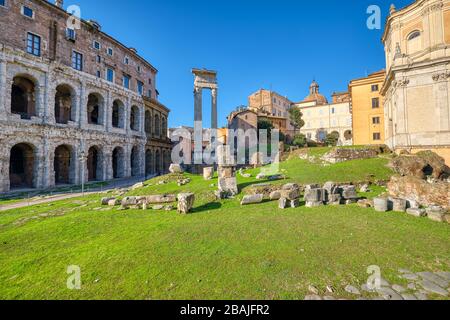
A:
(62, 196)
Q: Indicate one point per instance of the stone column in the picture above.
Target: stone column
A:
(4, 166)
(142, 160)
(41, 156)
(127, 116)
(214, 108)
(107, 164)
(127, 160)
(142, 120)
(41, 99)
(48, 168)
(82, 108)
(198, 126)
(108, 112)
(3, 90)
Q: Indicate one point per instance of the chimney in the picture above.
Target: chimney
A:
(59, 3)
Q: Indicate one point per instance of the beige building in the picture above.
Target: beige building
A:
(322, 118)
(417, 106)
(368, 109)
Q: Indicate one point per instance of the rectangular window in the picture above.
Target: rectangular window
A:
(99, 74)
(77, 61)
(375, 88)
(110, 75)
(377, 136)
(126, 81)
(375, 103)
(376, 120)
(99, 59)
(126, 60)
(71, 34)
(3, 3)
(34, 44)
(140, 88)
(27, 12)
(149, 93)
(110, 51)
(97, 45)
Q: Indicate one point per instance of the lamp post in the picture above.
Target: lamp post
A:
(82, 161)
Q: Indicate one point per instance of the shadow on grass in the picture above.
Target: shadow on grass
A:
(207, 207)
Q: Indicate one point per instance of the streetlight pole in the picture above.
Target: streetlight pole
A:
(82, 160)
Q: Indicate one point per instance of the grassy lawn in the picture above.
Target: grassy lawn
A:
(221, 251)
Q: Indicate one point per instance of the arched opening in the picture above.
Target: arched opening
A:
(157, 126)
(148, 162)
(63, 165)
(428, 170)
(158, 162)
(348, 135)
(148, 122)
(94, 164)
(95, 109)
(23, 97)
(118, 114)
(321, 135)
(22, 166)
(166, 161)
(63, 104)
(414, 42)
(118, 159)
(134, 160)
(134, 118)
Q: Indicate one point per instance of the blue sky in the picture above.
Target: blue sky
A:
(280, 45)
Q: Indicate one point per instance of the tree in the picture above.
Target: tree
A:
(332, 139)
(295, 116)
(265, 125)
(300, 140)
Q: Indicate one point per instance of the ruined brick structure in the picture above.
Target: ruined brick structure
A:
(72, 96)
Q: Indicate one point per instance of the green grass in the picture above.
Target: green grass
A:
(221, 251)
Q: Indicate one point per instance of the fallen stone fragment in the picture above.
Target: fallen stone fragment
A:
(409, 297)
(275, 195)
(291, 186)
(410, 276)
(444, 275)
(295, 203)
(436, 216)
(158, 199)
(158, 207)
(105, 201)
(416, 212)
(313, 204)
(380, 204)
(421, 296)
(398, 288)
(175, 168)
(185, 202)
(114, 202)
(208, 173)
(129, 201)
(398, 205)
(364, 203)
(349, 192)
(283, 203)
(290, 194)
(252, 199)
(352, 290)
(313, 289)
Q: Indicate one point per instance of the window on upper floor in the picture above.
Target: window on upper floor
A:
(333, 111)
(110, 75)
(99, 74)
(126, 81)
(110, 51)
(71, 34)
(97, 45)
(414, 43)
(3, 3)
(138, 68)
(126, 60)
(77, 61)
(375, 88)
(99, 59)
(34, 44)
(375, 103)
(28, 12)
(376, 120)
(149, 93)
(140, 88)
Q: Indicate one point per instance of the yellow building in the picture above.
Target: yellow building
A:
(367, 109)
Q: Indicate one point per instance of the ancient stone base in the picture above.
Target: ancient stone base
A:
(185, 202)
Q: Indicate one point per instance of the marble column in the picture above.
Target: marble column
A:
(82, 108)
(214, 109)
(198, 126)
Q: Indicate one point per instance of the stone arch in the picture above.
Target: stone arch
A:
(65, 104)
(148, 122)
(24, 92)
(95, 164)
(157, 125)
(148, 162)
(134, 118)
(158, 162)
(134, 161)
(95, 108)
(118, 114)
(64, 165)
(348, 135)
(22, 166)
(118, 163)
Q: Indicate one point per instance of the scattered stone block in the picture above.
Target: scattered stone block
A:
(208, 173)
(416, 212)
(158, 207)
(313, 289)
(175, 168)
(364, 203)
(290, 194)
(436, 216)
(291, 186)
(364, 188)
(313, 204)
(315, 195)
(295, 203)
(138, 186)
(349, 192)
(283, 203)
(433, 288)
(313, 297)
(114, 202)
(157, 199)
(398, 205)
(334, 199)
(352, 290)
(105, 201)
(185, 202)
(381, 204)
(275, 195)
(252, 199)
(129, 201)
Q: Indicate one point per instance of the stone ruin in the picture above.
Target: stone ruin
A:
(337, 155)
(227, 181)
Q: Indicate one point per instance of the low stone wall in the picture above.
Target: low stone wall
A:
(337, 155)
